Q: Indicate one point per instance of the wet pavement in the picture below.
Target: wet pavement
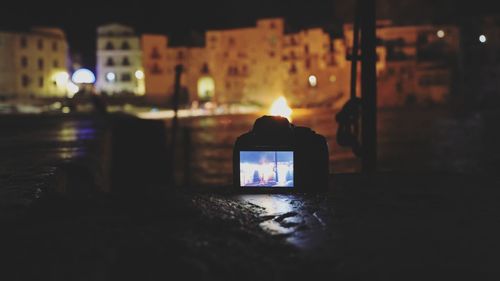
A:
(432, 212)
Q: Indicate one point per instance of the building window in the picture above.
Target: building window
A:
(204, 69)
(40, 81)
(308, 63)
(125, 45)
(272, 54)
(292, 55)
(156, 69)
(39, 44)
(55, 63)
(272, 25)
(54, 46)
(40, 64)
(110, 62)
(109, 46)
(306, 49)
(23, 42)
(293, 69)
(25, 80)
(245, 69)
(155, 54)
(231, 41)
(125, 61)
(180, 55)
(24, 61)
(232, 70)
(126, 77)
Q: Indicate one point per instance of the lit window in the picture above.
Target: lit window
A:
(333, 78)
(40, 81)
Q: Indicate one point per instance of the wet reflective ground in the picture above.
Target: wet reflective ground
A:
(435, 218)
(409, 140)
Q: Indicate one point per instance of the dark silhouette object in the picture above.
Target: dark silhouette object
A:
(310, 153)
(348, 130)
(139, 155)
(348, 117)
(98, 103)
(368, 86)
(175, 121)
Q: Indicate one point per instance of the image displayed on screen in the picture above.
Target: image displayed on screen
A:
(266, 168)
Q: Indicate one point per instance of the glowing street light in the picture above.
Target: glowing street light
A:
(440, 33)
(83, 76)
(139, 74)
(280, 108)
(482, 38)
(61, 79)
(313, 80)
(72, 89)
(110, 76)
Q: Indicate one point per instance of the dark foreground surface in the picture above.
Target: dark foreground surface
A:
(396, 227)
(80, 203)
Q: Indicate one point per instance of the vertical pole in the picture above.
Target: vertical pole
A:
(369, 86)
(175, 105)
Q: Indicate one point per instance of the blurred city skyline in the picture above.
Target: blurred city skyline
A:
(186, 21)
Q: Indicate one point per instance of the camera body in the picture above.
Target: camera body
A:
(278, 156)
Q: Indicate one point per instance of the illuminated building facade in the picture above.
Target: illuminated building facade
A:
(418, 63)
(256, 65)
(33, 64)
(119, 61)
(154, 62)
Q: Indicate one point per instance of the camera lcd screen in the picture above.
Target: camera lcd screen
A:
(266, 169)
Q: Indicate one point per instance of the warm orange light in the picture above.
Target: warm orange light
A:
(280, 108)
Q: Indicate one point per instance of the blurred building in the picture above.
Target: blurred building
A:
(483, 61)
(253, 65)
(316, 69)
(256, 65)
(33, 64)
(154, 63)
(119, 61)
(416, 64)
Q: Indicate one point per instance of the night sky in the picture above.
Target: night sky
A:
(186, 20)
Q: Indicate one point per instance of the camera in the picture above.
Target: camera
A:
(278, 156)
